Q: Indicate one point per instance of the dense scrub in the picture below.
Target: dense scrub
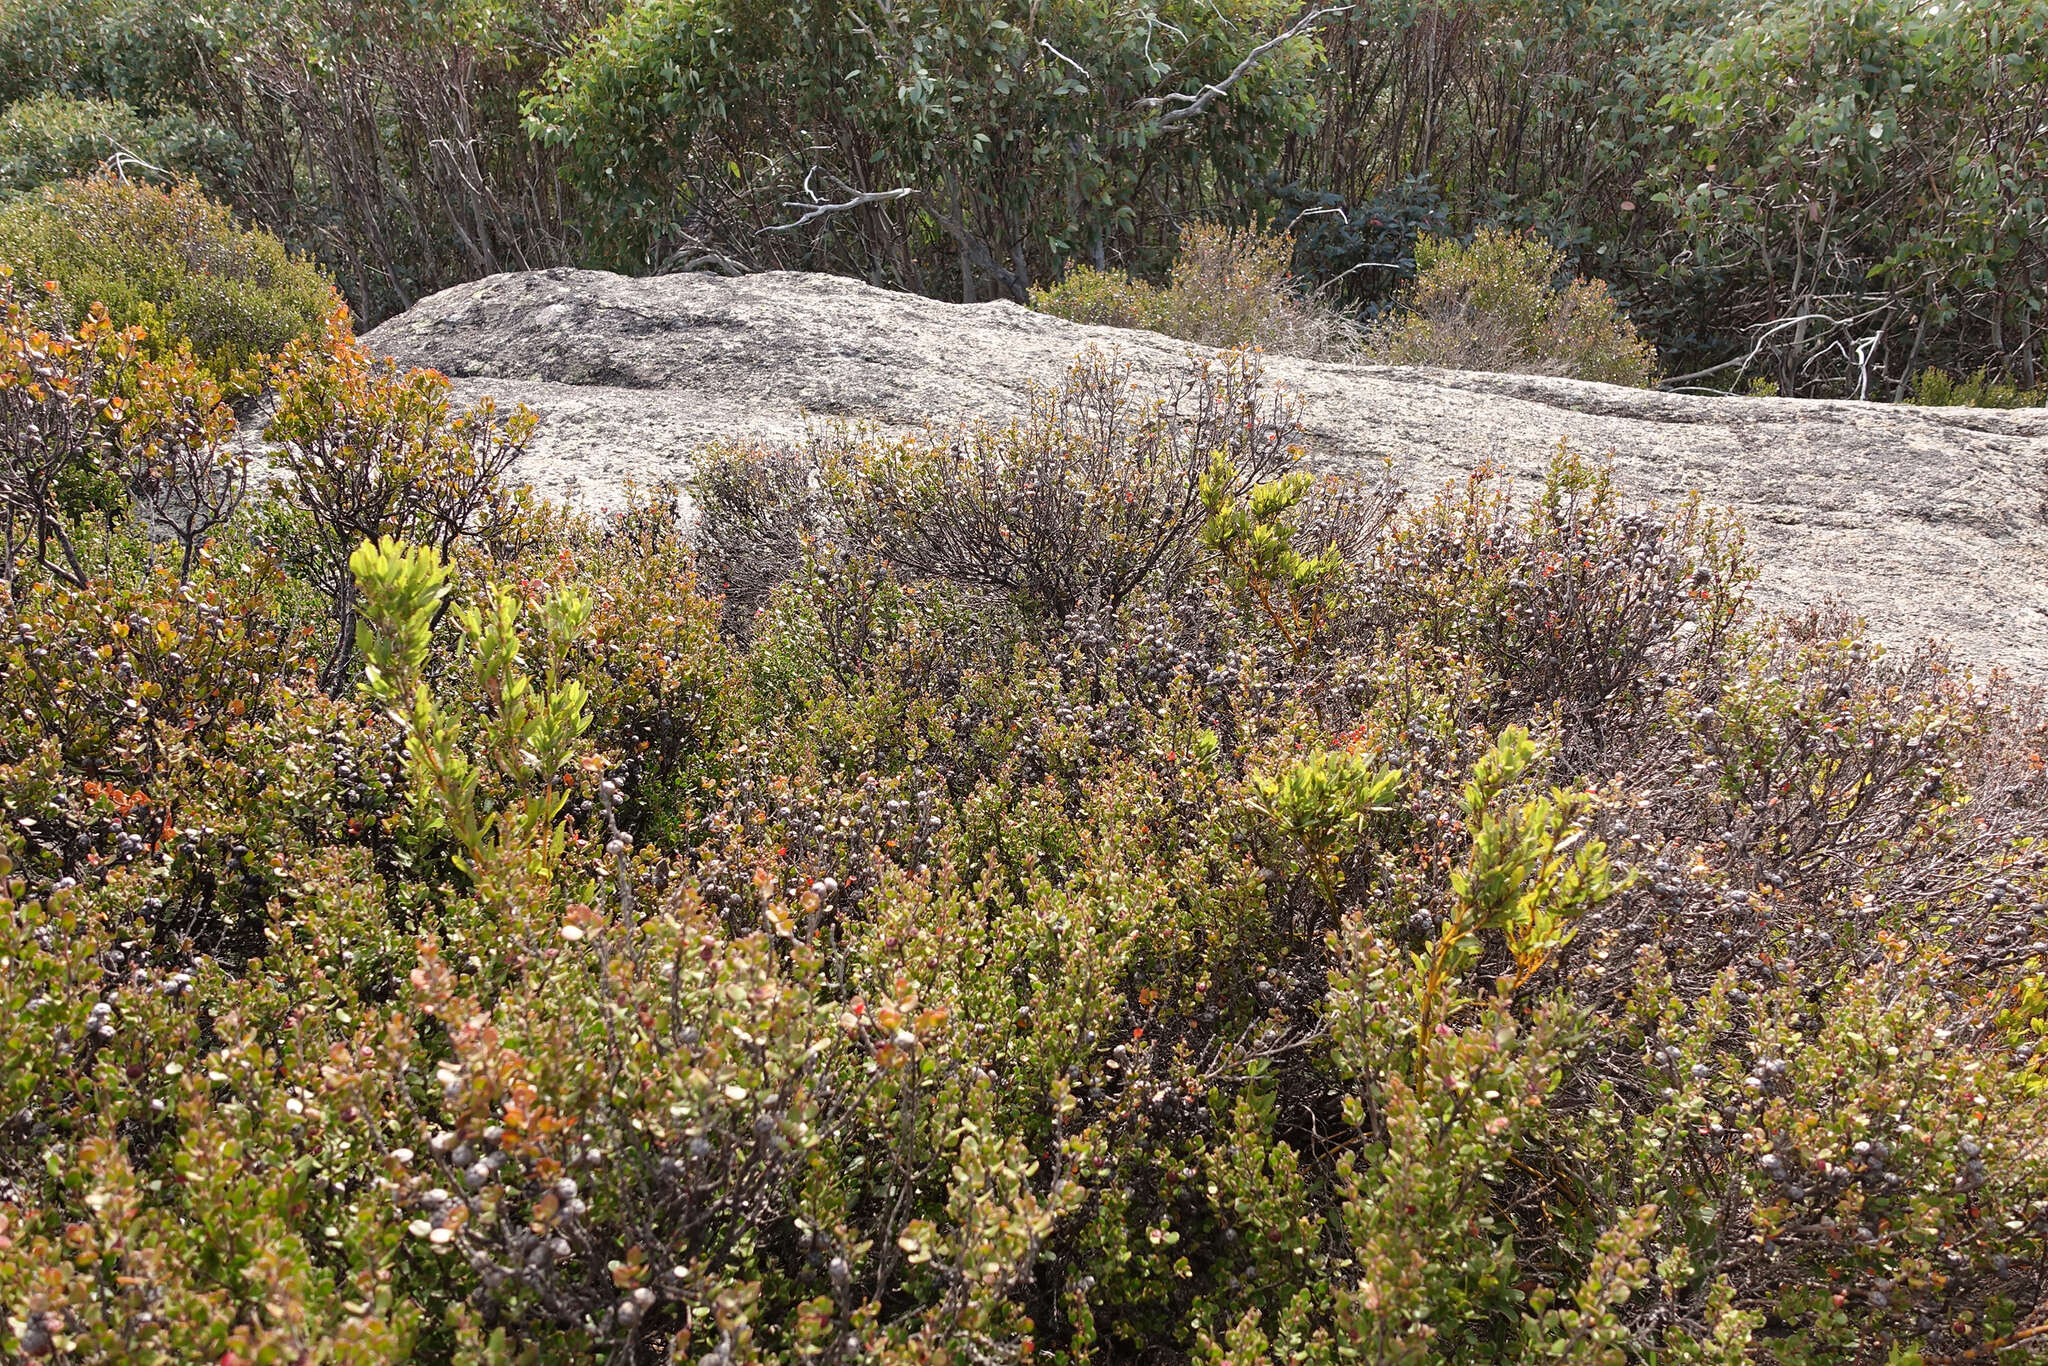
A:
(54, 137)
(383, 139)
(1505, 302)
(1228, 289)
(1090, 890)
(1826, 199)
(172, 262)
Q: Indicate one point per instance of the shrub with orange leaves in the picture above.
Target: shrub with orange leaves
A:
(58, 409)
(1472, 933)
(177, 439)
(368, 451)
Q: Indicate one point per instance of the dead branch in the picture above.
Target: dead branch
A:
(1194, 104)
(817, 211)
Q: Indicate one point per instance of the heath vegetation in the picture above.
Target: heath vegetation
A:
(1079, 889)
(1083, 888)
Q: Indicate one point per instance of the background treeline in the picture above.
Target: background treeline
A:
(1824, 196)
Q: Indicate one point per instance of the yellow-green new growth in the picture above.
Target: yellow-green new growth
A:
(1256, 543)
(526, 735)
(402, 587)
(1534, 870)
(1321, 807)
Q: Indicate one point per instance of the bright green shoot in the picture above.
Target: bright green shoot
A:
(1256, 542)
(526, 737)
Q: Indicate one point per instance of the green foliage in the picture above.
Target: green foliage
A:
(522, 737)
(1859, 165)
(1517, 880)
(382, 141)
(1936, 388)
(1103, 298)
(1714, 166)
(1009, 139)
(172, 262)
(402, 589)
(1548, 957)
(133, 52)
(53, 137)
(1229, 289)
(1497, 303)
(1255, 534)
(1322, 805)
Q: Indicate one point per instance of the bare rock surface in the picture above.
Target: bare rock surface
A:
(1931, 522)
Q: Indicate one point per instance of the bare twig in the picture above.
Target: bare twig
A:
(1194, 104)
(1770, 330)
(122, 159)
(1046, 43)
(818, 211)
(1295, 221)
(683, 262)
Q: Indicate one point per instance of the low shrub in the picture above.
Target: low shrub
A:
(1101, 298)
(173, 262)
(1937, 388)
(60, 410)
(55, 137)
(1229, 288)
(368, 452)
(1497, 304)
(177, 442)
(756, 510)
(1074, 506)
(1061, 926)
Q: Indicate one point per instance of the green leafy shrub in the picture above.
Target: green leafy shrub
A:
(1850, 183)
(973, 150)
(171, 261)
(1059, 926)
(136, 53)
(1936, 388)
(1832, 198)
(1101, 298)
(53, 137)
(1496, 304)
(1229, 289)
